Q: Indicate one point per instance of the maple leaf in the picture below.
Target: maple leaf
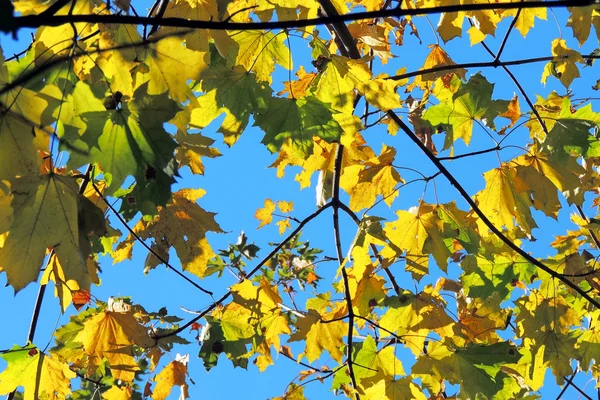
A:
(264, 302)
(129, 140)
(298, 120)
(578, 124)
(174, 374)
(565, 70)
(458, 111)
(418, 232)
(191, 148)
(438, 57)
(68, 291)
(483, 276)
(392, 389)
(526, 18)
(47, 212)
(39, 374)
(230, 332)
(112, 335)
(581, 20)
(168, 64)
(265, 215)
(342, 75)
(259, 51)
(114, 60)
(24, 127)
(320, 336)
(234, 91)
(415, 316)
(365, 288)
(377, 176)
(182, 224)
(377, 361)
(58, 40)
(117, 393)
(476, 368)
(502, 203)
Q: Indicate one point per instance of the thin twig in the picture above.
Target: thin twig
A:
(483, 64)
(473, 153)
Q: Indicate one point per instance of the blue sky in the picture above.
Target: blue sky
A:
(238, 183)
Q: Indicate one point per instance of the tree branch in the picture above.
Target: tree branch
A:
(483, 64)
(36, 21)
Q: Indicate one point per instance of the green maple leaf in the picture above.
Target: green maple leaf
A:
(234, 91)
(42, 377)
(129, 140)
(498, 274)
(298, 120)
(476, 368)
(46, 211)
(456, 113)
(574, 133)
(222, 340)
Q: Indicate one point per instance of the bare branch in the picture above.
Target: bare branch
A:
(36, 21)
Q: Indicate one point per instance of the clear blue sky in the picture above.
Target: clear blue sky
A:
(238, 183)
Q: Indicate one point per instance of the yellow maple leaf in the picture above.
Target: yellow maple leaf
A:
(526, 19)
(168, 66)
(22, 110)
(265, 215)
(502, 203)
(65, 289)
(117, 57)
(376, 177)
(419, 233)
(112, 335)
(58, 40)
(298, 88)
(117, 393)
(192, 147)
(393, 389)
(319, 336)
(264, 302)
(372, 37)
(41, 376)
(182, 224)
(172, 375)
(258, 51)
(416, 315)
(438, 57)
(581, 20)
(565, 69)
(366, 290)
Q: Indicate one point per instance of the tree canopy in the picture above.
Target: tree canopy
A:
(458, 194)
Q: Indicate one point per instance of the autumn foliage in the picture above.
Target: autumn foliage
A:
(450, 297)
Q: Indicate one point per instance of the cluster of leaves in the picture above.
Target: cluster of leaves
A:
(123, 99)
